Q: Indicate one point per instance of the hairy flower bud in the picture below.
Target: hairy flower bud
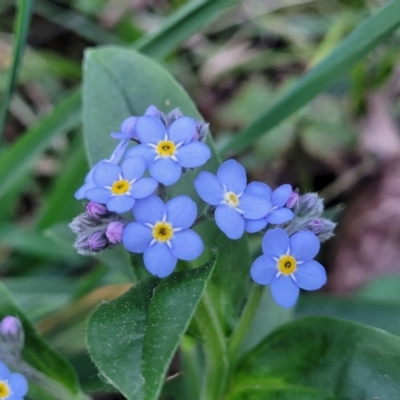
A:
(97, 241)
(11, 332)
(310, 205)
(315, 226)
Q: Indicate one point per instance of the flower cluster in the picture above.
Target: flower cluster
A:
(13, 386)
(128, 204)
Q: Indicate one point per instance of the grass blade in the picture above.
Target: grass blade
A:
(21, 32)
(351, 50)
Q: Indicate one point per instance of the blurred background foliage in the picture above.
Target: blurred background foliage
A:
(235, 59)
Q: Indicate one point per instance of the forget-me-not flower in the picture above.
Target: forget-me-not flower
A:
(115, 158)
(288, 266)
(167, 149)
(234, 202)
(13, 386)
(118, 187)
(128, 125)
(162, 233)
(277, 213)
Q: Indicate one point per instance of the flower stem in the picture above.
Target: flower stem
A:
(216, 372)
(199, 219)
(162, 192)
(244, 322)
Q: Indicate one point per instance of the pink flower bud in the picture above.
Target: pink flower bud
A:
(316, 226)
(292, 200)
(10, 326)
(95, 209)
(97, 241)
(114, 232)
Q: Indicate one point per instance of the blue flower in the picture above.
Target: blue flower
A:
(161, 233)
(287, 265)
(234, 202)
(128, 125)
(277, 213)
(115, 158)
(118, 187)
(13, 386)
(167, 149)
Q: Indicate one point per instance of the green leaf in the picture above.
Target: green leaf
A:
(21, 33)
(352, 49)
(342, 359)
(119, 83)
(132, 339)
(18, 158)
(38, 353)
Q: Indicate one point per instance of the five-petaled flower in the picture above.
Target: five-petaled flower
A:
(115, 158)
(119, 187)
(277, 213)
(235, 203)
(288, 266)
(167, 149)
(13, 386)
(162, 233)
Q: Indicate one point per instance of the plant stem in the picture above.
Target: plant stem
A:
(216, 372)
(244, 322)
(162, 192)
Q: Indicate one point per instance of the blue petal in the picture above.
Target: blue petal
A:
(304, 245)
(4, 371)
(209, 188)
(159, 260)
(280, 216)
(275, 242)
(18, 384)
(143, 187)
(263, 270)
(81, 192)
(149, 210)
(281, 195)
(229, 221)
(128, 127)
(136, 237)
(181, 212)
(182, 130)
(284, 291)
(120, 203)
(165, 171)
(142, 150)
(120, 135)
(133, 168)
(150, 130)
(310, 276)
(152, 111)
(254, 207)
(186, 245)
(98, 195)
(119, 151)
(233, 176)
(259, 189)
(15, 397)
(254, 225)
(105, 174)
(193, 154)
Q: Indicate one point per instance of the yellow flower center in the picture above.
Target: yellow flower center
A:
(287, 265)
(120, 187)
(231, 199)
(166, 148)
(162, 231)
(4, 390)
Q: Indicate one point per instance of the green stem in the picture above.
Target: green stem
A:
(244, 322)
(216, 372)
(50, 385)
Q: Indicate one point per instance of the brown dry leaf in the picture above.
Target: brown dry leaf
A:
(367, 243)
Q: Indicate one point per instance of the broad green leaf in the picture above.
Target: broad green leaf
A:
(119, 83)
(352, 49)
(342, 359)
(132, 339)
(38, 353)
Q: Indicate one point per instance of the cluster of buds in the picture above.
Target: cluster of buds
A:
(308, 210)
(97, 229)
